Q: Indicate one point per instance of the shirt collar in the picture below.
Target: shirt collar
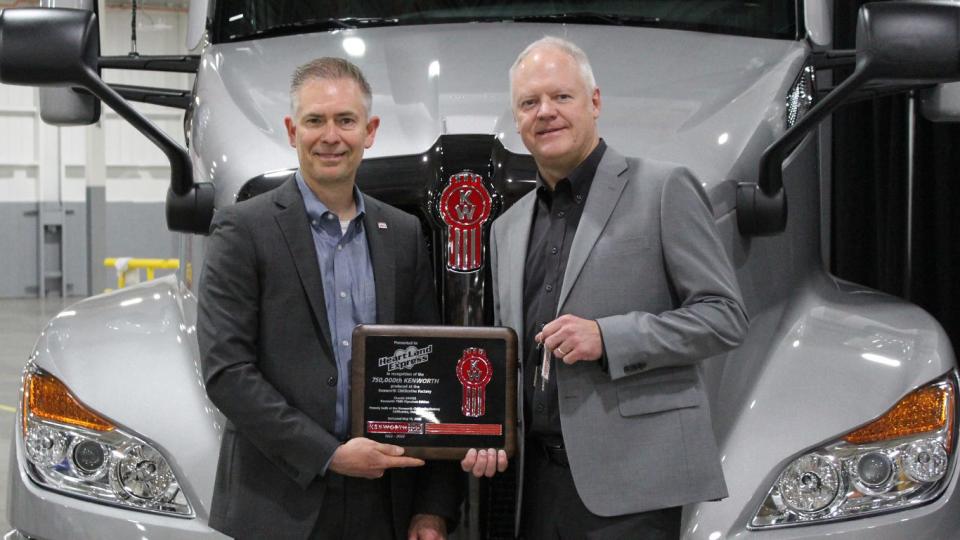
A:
(316, 209)
(582, 175)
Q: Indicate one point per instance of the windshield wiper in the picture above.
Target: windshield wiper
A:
(590, 17)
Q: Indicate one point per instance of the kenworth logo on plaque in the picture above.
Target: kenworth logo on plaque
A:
(465, 205)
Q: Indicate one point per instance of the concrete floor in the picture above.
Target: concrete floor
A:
(20, 323)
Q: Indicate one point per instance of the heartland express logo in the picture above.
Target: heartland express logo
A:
(406, 357)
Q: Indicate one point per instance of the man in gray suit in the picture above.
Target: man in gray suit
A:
(288, 275)
(614, 277)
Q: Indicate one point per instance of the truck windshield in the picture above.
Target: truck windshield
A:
(237, 20)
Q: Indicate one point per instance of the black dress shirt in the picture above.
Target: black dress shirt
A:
(556, 216)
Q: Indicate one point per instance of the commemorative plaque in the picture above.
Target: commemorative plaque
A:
(435, 390)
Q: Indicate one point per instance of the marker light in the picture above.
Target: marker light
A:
(927, 409)
(49, 399)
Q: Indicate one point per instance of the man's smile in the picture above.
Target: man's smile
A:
(546, 132)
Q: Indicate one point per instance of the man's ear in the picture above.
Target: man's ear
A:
(595, 100)
(291, 130)
(372, 124)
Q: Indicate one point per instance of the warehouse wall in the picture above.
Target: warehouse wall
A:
(105, 183)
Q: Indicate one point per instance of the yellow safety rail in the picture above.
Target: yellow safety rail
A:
(123, 265)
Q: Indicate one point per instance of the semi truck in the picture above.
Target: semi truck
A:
(837, 415)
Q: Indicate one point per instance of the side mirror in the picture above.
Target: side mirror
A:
(900, 44)
(67, 107)
(909, 42)
(68, 55)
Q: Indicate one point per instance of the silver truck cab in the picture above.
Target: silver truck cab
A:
(838, 414)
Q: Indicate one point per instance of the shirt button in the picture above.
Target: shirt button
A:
(343, 294)
(340, 247)
(579, 198)
(345, 343)
(332, 381)
(549, 288)
(553, 251)
(329, 216)
(315, 223)
(540, 407)
(561, 213)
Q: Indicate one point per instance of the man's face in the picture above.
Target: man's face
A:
(556, 113)
(330, 130)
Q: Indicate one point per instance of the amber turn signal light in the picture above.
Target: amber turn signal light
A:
(924, 410)
(47, 398)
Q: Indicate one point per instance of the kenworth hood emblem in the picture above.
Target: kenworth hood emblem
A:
(465, 206)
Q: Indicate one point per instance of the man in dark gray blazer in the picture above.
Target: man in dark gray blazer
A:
(614, 277)
(288, 275)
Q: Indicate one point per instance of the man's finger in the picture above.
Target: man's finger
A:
(501, 460)
(389, 449)
(556, 339)
(480, 467)
(391, 462)
(548, 330)
(469, 460)
(491, 468)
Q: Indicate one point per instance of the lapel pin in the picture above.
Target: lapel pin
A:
(381, 225)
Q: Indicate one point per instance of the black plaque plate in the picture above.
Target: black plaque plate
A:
(435, 390)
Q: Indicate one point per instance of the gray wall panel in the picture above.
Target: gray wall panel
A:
(76, 248)
(18, 249)
(132, 230)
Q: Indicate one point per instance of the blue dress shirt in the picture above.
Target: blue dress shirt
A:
(348, 286)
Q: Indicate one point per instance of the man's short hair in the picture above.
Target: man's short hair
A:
(566, 46)
(328, 68)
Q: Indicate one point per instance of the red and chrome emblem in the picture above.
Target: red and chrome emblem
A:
(474, 371)
(465, 205)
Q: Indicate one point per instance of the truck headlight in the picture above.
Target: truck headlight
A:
(899, 460)
(75, 450)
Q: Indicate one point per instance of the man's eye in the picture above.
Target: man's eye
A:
(564, 97)
(346, 122)
(527, 103)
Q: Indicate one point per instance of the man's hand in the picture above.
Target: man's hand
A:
(484, 462)
(572, 339)
(364, 458)
(427, 527)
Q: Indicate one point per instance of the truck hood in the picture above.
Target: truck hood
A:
(680, 96)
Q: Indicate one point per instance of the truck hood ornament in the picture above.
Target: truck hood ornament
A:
(465, 206)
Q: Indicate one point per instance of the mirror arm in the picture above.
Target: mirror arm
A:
(189, 205)
(762, 205)
(180, 169)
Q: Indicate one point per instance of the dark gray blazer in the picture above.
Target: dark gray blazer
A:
(648, 265)
(269, 367)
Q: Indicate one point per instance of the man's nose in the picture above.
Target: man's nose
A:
(329, 133)
(546, 109)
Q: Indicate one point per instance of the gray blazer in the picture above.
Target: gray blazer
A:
(268, 363)
(647, 264)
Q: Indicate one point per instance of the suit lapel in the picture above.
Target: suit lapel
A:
(292, 220)
(380, 242)
(604, 193)
(513, 238)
